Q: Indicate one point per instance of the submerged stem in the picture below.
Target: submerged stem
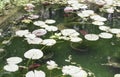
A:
(43, 47)
(28, 62)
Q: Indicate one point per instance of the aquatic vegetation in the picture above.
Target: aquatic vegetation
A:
(39, 38)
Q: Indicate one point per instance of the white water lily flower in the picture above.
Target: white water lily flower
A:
(105, 35)
(39, 23)
(70, 70)
(50, 21)
(115, 30)
(48, 42)
(35, 73)
(51, 28)
(75, 39)
(91, 37)
(117, 75)
(22, 33)
(33, 54)
(69, 32)
(30, 36)
(98, 23)
(14, 60)
(81, 73)
(35, 40)
(11, 67)
(104, 28)
(39, 32)
(51, 65)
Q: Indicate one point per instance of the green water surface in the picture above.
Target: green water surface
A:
(92, 59)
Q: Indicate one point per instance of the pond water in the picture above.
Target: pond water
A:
(94, 59)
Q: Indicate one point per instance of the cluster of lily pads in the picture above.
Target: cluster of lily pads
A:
(108, 6)
(83, 10)
(34, 36)
(35, 54)
(37, 37)
(48, 28)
